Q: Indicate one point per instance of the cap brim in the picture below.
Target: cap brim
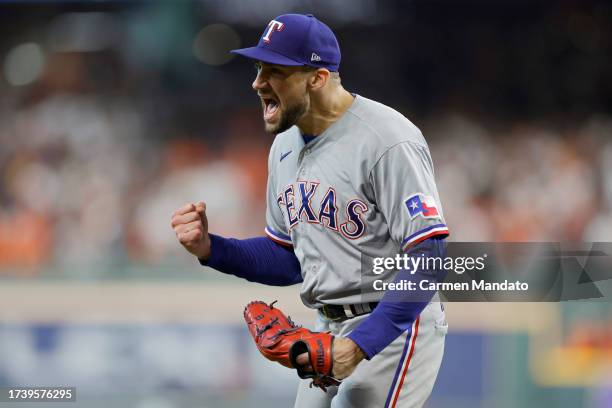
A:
(266, 55)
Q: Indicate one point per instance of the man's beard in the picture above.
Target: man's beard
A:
(288, 118)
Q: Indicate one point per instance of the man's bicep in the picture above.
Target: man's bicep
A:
(275, 229)
(406, 193)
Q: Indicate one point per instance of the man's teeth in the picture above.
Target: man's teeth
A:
(271, 107)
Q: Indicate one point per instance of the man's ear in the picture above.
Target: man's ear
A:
(319, 79)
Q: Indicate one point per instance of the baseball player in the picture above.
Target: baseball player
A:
(349, 179)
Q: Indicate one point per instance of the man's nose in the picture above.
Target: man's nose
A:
(258, 83)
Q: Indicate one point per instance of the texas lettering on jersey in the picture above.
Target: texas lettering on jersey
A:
(301, 202)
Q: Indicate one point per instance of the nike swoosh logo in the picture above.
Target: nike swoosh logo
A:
(283, 155)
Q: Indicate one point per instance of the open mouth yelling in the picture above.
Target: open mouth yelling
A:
(270, 108)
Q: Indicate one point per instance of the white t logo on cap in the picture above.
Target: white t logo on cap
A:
(272, 26)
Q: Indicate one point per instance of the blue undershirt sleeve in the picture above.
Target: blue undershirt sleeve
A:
(255, 259)
(398, 310)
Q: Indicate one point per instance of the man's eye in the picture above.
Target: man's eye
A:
(257, 66)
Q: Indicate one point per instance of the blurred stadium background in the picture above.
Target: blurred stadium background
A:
(114, 113)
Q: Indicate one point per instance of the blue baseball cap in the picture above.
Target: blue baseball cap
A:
(295, 40)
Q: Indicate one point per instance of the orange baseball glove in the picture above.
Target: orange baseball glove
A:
(280, 340)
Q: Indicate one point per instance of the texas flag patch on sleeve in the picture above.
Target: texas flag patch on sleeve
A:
(423, 205)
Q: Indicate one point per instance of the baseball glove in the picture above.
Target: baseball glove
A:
(280, 340)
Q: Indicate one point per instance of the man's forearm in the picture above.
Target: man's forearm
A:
(255, 259)
(398, 310)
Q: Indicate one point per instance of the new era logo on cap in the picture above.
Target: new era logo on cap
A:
(294, 40)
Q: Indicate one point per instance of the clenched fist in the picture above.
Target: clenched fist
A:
(191, 227)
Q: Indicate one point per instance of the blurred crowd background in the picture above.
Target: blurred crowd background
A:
(115, 113)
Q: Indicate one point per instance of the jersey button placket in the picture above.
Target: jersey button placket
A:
(302, 170)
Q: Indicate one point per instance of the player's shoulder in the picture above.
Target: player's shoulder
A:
(385, 126)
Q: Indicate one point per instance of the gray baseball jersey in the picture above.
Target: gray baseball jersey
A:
(363, 187)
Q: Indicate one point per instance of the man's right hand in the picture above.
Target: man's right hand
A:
(191, 227)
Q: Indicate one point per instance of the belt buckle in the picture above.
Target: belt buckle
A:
(324, 312)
